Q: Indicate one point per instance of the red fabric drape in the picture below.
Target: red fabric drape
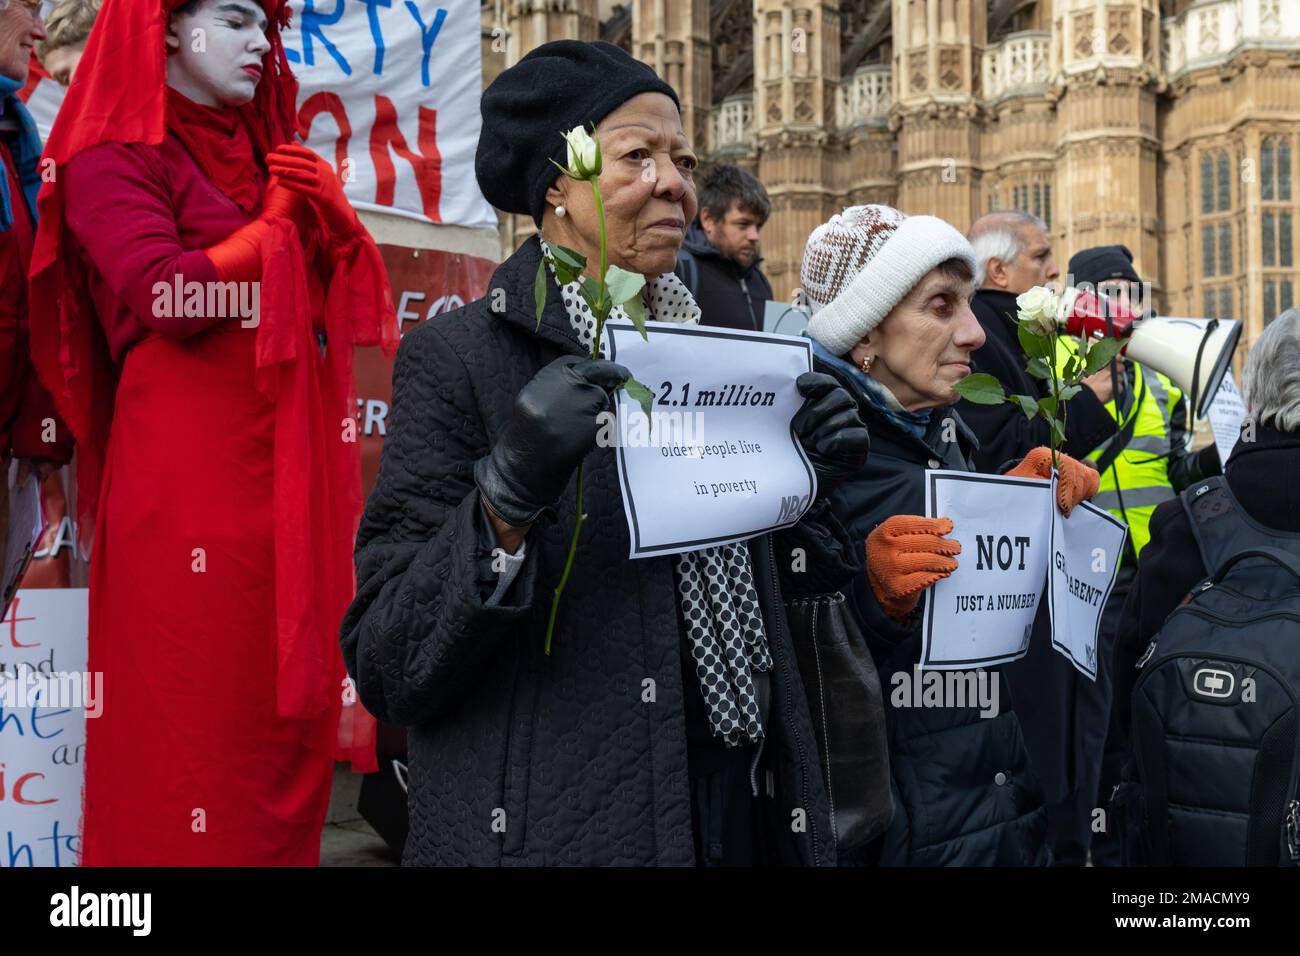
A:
(119, 94)
(219, 143)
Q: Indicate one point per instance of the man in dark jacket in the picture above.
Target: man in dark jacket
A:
(719, 258)
(1062, 712)
(1148, 463)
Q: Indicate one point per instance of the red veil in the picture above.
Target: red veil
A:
(119, 94)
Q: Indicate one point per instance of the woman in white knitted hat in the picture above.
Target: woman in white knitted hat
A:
(891, 320)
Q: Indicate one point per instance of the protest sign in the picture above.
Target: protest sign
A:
(389, 93)
(983, 613)
(1086, 550)
(1227, 412)
(717, 462)
(45, 697)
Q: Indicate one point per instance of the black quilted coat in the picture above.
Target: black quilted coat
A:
(579, 758)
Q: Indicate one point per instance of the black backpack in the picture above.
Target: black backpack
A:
(1215, 707)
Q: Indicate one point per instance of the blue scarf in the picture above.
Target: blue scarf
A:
(877, 394)
(26, 149)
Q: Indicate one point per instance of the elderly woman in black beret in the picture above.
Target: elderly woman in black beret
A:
(669, 725)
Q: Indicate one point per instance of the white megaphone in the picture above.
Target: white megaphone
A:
(1194, 353)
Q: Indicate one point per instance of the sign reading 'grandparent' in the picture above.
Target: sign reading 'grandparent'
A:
(716, 461)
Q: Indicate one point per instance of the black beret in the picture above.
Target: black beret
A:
(558, 86)
(1101, 263)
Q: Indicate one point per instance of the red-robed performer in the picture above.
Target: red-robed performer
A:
(218, 454)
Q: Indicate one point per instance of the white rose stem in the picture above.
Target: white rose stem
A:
(602, 311)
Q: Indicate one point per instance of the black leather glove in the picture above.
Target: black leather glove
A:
(553, 427)
(830, 431)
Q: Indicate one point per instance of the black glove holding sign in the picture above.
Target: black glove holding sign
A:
(551, 431)
(830, 431)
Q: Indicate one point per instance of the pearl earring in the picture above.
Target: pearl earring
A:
(560, 212)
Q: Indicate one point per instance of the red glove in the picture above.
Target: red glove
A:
(1075, 481)
(905, 555)
(282, 202)
(1087, 318)
(238, 257)
(303, 171)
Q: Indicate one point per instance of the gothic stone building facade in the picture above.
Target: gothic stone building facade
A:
(1168, 126)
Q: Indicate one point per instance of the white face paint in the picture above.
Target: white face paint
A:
(215, 52)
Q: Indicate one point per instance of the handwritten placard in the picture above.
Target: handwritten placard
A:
(45, 697)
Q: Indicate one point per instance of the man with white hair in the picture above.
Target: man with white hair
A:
(1013, 253)
(1064, 715)
(1258, 504)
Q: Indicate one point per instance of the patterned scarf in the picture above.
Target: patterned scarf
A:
(717, 598)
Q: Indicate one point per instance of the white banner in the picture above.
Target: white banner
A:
(983, 613)
(45, 697)
(718, 461)
(388, 92)
(1086, 550)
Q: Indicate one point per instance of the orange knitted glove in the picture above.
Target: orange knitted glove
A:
(905, 555)
(1075, 481)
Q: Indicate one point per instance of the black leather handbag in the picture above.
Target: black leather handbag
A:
(848, 713)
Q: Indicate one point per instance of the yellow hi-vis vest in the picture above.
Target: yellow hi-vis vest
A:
(1141, 471)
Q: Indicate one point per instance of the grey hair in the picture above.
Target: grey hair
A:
(1270, 383)
(1001, 241)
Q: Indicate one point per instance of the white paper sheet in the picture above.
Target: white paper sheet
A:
(719, 462)
(983, 613)
(1086, 549)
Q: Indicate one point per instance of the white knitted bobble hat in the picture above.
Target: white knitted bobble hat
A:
(863, 262)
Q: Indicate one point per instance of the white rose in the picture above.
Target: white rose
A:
(584, 154)
(1037, 310)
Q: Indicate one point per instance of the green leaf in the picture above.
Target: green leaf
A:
(1038, 369)
(1048, 405)
(1027, 404)
(1035, 346)
(1058, 427)
(635, 310)
(1100, 354)
(564, 273)
(623, 285)
(589, 290)
(981, 388)
(571, 258)
(1070, 391)
(642, 396)
(1071, 366)
(539, 291)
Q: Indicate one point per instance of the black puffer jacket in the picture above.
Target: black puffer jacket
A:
(964, 792)
(515, 758)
